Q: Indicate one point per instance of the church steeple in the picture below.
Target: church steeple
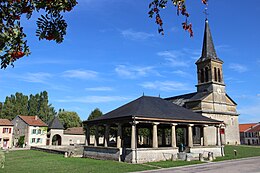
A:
(209, 66)
(208, 48)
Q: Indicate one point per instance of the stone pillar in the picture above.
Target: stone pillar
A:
(218, 135)
(87, 136)
(106, 137)
(190, 136)
(96, 139)
(155, 137)
(133, 136)
(205, 140)
(173, 143)
(119, 135)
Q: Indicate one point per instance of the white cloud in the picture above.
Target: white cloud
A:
(238, 68)
(80, 74)
(136, 36)
(132, 72)
(182, 73)
(249, 113)
(93, 99)
(166, 85)
(175, 58)
(36, 77)
(258, 95)
(99, 89)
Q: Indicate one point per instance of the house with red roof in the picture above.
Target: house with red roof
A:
(31, 128)
(6, 133)
(250, 133)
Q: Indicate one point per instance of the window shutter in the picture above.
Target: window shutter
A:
(10, 129)
(3, 130)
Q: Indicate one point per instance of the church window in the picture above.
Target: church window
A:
(202, 75)
(215, 74)
(219, 76)
(206, 74)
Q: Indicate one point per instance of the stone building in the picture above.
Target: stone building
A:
(32, 128)
(6, 133)
(250, 133)
(57, 135)
(211, 99)
(160, 119)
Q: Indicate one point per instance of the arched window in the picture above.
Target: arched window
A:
(206, 74)
(219, 76)
(215, 74)
(201, 75)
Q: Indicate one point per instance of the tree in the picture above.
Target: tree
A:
(95, 114)
(156, 5)
(69, 119)
(50, 26)
(19, 104)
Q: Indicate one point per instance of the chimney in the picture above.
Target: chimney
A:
(36, 118)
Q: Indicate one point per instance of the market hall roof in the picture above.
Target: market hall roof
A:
(154, 108)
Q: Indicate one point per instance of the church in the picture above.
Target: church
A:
(150, 129)
(211, 99)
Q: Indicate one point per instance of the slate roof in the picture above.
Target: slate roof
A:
(5, 122)
(74, 131)
(208, 49)
(196, 96)
(154, 107)
(33, 121)
(55, 124)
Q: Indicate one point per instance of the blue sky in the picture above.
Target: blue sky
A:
(113, 54)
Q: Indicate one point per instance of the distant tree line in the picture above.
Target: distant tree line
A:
(20, 104)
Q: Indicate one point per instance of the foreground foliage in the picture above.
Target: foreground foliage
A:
(50, 26)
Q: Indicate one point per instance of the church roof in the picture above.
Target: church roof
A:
(182, 99)
(55, 124)
(154, 108)
(208, 49)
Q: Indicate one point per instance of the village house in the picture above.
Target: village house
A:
(31, 128)
(6, 133)
(250, 133)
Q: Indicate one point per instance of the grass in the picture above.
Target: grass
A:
(36, 161)
(30, 161)
(242, 152)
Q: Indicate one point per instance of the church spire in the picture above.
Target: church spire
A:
(208, 49)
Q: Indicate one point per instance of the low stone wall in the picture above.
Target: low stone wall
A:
(106, 153)
(155, 154)
(217, 151)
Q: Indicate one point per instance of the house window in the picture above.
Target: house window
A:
(33, 140)
(38, 140)
(34, 131)
(39, 131)
(5, 130)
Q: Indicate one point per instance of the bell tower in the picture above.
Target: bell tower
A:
(209, 66)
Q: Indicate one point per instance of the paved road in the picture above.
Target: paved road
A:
(249, 165)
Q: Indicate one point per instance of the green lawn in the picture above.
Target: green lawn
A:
(242, 152)
(30, 161)
(37, 161)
